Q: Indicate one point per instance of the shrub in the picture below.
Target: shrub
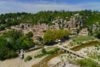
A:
(2, 27)
(53, 51)
(11, 54)
(88, 63)
(44, 51)
(25, 43)
(28, 58)
(98, 35)
(39, 55)
(29, 34)
(6, 53)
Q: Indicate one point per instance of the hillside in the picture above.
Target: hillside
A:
(10, 19)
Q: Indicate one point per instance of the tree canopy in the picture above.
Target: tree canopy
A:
(52, 35)
(11, 42)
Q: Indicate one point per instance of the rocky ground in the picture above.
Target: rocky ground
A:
(61, 62)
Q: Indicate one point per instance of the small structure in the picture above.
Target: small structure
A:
(84, 32)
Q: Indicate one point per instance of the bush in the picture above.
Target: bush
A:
(98, 35)
(25, 43)
(39, 55)
(11, 54)
(6, 53)
(29, 34)
(44, 51)
(2, 27)
(28, 58)
(88, 63)
(53, 51)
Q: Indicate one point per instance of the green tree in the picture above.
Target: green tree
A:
(98, 35)
(25, 43)
(12, 41)
(52, 35)
(29, 34)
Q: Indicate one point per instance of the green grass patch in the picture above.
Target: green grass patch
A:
(80, 39)
(46, 52)
(87, 63)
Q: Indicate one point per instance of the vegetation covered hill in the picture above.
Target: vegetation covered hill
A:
(10, 19)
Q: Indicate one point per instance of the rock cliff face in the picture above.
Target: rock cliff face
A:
(75, 23)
